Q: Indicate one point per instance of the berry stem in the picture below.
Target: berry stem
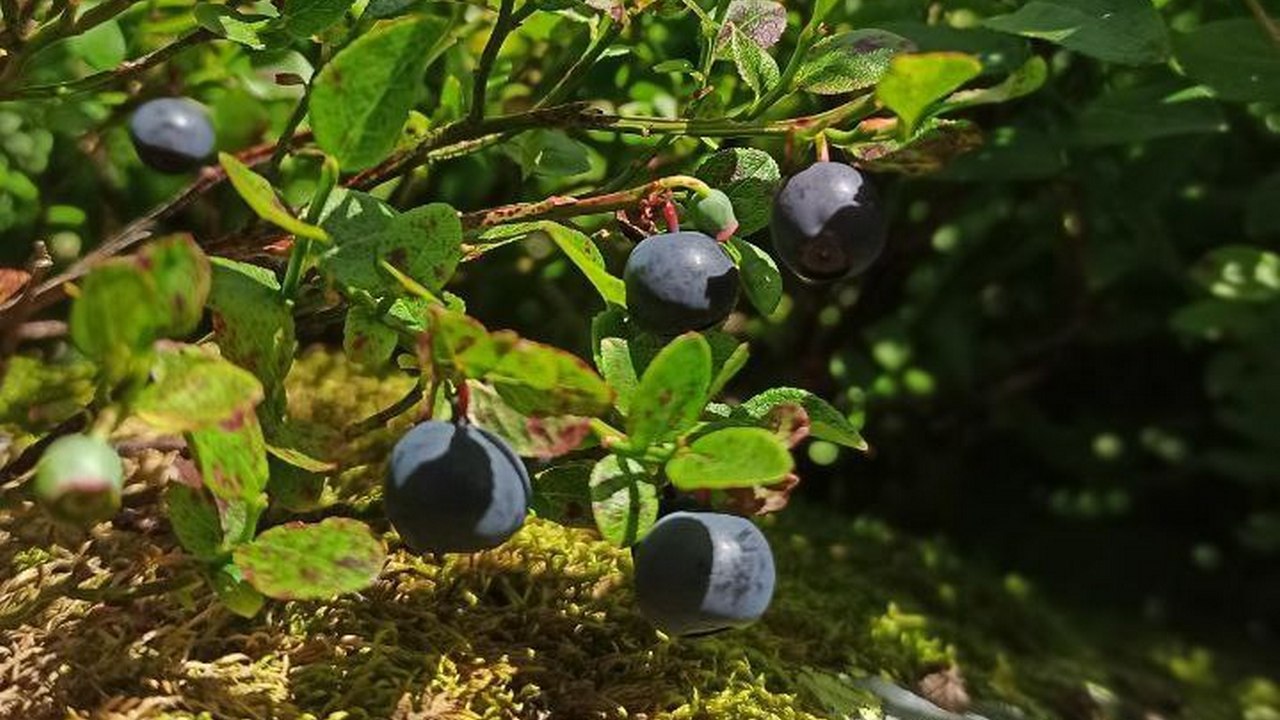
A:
(824, 150)
(566, 207)
(670, 215)
(461, 402)
(105, 423)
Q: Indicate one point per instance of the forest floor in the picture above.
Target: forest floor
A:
(864, 623)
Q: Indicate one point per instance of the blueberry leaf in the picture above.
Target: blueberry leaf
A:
(252, 324)
(728, 357)
(235, 594)
(258, 193)
(182, 276)
(1129, 32)
(672, 392)
(362, 97)
(191, 389)
(760, 277)
(35, 394)
(548, 153)
(730, 458)
(849, 61)
(756, 67)
(615, 363)
(312, 562)
(232, 458)
(536, 437)
(304, 18)
(562, 494)
(195, 521)
(249, 30)
(750, 177)
(761, 22)
(624, 500)
(827, 423)
(1235, 58)
(366, 340)
(1026, 79)
(424, 243)
(930, 148)
(915, 82)
(116, 317)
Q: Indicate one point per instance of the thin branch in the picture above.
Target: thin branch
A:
(578, 72)
(564, 207)
(105, 78)
(501, 28)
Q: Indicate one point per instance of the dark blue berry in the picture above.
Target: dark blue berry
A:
(172, 135)
(701, 572)
(678, 282)
(827, 223)
(455, 488)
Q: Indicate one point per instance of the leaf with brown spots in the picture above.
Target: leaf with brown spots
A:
(232, 457)
(192, 389)
(562, 494)
(537, 437)
(312, 561)
(182, 276)
(672, 392)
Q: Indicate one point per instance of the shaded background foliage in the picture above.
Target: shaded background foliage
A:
(1062, 363)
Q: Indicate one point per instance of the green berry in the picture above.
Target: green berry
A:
(713, 215)
(79, 479)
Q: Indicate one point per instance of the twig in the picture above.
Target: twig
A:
(123, 71)
(379, 420)
(561, 207)
(501, 28)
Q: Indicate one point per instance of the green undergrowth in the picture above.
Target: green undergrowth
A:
(545, 626)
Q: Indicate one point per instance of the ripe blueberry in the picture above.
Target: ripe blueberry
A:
(678, 282)
(455, 488)
(827, 223)
(172, 135)
(699, 572)
(79, 479)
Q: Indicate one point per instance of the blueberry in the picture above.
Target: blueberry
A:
(455, 488)
(701, 572)
(827, 223)
(172, 135)
(678, 282)
(79, 479)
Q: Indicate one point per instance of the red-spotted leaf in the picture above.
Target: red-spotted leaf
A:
(232, 458)
(536, 437)
(312, 562)
(182, 277)
(192, 389)
(672, 392)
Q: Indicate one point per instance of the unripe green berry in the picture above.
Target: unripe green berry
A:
(79, 479)
(713, 215)
(64, 247)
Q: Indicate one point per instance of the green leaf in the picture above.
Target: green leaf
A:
(195, 521)
(728, 357)
(35, 394)
(312, 562)
(1235, 58)
(624, 500)
(233, 592)
(192, 389)
(579, 248)
(304, 18)
(827, 423)
(619, 370)
(116, 318)
(562, 494)
(257, 192)
(182, 276)
(250, 30)
(102, 47)
(730, 458)
(849, 61)
(544, 438)
(424, 243)
(760, 277)
(351, 216)
(548, 153)
(533, 378)
(756, 67)
(252, 324)
(760, 22)
(1025, 80)
(232, 458)
(361, 99)
(1240, 272)
(366, 340)
(1138, 114)
(1129, 32)
(672, 391)
(916, 82)
(750, 177)
(935, 143)
(1000, 54)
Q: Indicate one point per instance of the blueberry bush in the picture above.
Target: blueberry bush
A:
(193, 194)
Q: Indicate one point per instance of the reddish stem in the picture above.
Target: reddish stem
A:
(462, 402)
(671, 216)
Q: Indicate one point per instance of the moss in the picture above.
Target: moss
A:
(545, 626)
